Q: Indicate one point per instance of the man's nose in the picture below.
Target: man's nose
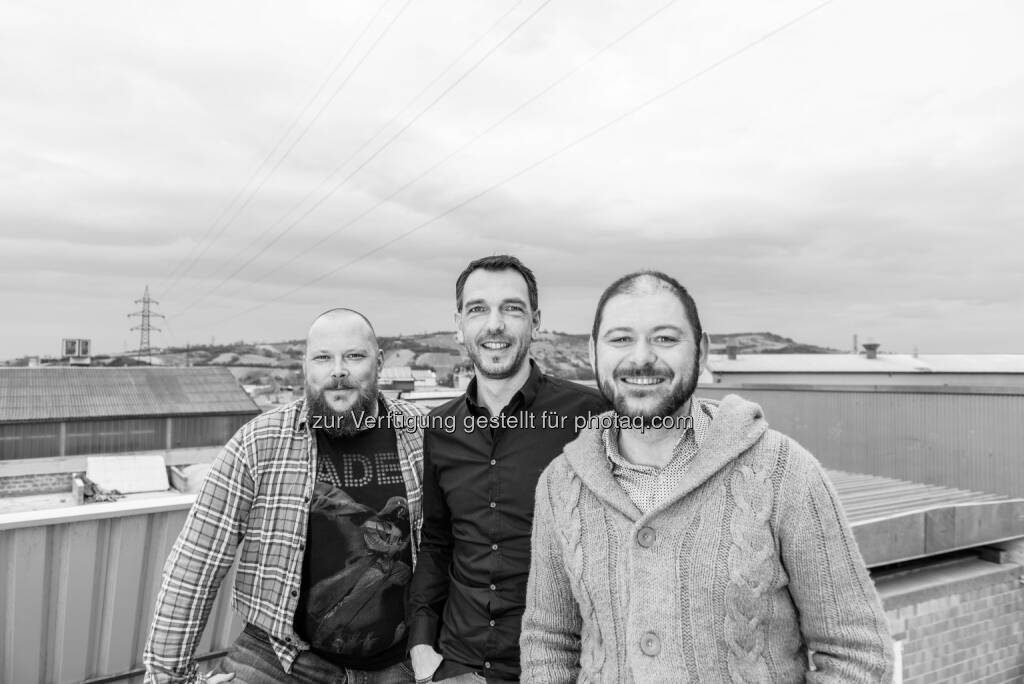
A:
(340, 370)
(495, 321)
(643, 353)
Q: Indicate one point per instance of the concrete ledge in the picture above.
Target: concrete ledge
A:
(74, 464)
(941, 581)
(161, 503)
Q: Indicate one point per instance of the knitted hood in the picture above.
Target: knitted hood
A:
(736, 426)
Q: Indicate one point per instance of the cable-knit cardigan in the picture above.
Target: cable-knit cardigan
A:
(748, 573)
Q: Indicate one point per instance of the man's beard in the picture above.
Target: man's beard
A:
(339, 423)
(477, 354)
(667, 407)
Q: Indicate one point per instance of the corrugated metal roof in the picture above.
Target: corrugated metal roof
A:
(896, 520)
(28, 394)
(858, 363)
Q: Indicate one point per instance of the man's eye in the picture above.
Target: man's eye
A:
(620, 340)
(475, 309)
(666, 339)
(321, 357)
(357, 356)
(514, 307)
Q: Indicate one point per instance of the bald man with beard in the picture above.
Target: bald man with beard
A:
(322, 497)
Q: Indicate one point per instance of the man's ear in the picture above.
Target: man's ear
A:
(536, 325)
(705, 343)
(380, 360)
(459, 337)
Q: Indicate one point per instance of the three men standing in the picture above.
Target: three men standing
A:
(468, 591)
(673, 535)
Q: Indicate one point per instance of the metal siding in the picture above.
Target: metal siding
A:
(114, 436)
(77, 597)
(968, 439)
(29, 440)
(193, 431)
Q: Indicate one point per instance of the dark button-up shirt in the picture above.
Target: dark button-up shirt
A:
(469, 589)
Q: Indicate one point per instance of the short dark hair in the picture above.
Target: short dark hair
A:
(498, 262)
(628, 284)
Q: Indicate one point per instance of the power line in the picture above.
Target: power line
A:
(277, 145)
(383, 147)
(544, 91)
(348, 159)
(568, 146)
(305, 129)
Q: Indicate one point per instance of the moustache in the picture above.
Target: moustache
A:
(645, 371)
(338, 385)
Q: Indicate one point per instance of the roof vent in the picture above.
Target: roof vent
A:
(871, 349)
(730, 351)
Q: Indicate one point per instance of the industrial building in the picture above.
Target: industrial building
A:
(870, 368)
(52, 418)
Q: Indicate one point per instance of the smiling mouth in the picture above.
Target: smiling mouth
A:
(496, 346)
(642, 380)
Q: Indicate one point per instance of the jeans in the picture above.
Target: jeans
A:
(253, 661)
(467, 678)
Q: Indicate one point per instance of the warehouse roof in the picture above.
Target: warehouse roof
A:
(55, 393)
(858, 363)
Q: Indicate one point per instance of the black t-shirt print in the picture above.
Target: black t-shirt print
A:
(358, 560)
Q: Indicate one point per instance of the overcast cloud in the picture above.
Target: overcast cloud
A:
(857, 172)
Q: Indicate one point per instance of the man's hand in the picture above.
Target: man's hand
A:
(425, 661)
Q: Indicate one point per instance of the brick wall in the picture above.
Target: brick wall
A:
(959, 621)
(22, 485)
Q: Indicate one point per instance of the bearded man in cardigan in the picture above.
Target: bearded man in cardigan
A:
(681, 539)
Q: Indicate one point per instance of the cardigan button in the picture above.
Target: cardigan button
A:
(645, 537)
(650, 644)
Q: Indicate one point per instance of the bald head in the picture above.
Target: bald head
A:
(333, 318)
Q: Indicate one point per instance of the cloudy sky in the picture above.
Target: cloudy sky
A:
(815, 170)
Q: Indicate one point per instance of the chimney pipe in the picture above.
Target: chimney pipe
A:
(730, 351)
(871, 349)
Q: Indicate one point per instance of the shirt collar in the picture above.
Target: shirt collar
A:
(701, 415)
(523, 397)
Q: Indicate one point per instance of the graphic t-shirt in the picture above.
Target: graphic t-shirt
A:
(358, 561)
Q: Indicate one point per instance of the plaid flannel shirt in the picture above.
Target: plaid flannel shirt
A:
(257, 495)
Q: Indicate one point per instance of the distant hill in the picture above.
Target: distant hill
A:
(561, 354)
(763, 343)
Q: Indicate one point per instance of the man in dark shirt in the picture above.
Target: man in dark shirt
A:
(469, 588)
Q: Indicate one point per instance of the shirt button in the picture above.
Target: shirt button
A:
(295, 592)
(493, 462)
(491, 623)
(487, 665)
(650, 644)
(494, 587)
(645, 537)
(494, 505)
(494, 547)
